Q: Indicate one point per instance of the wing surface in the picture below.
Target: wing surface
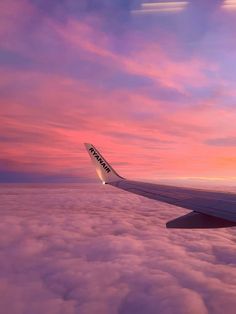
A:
(217, 204)
(204, 204)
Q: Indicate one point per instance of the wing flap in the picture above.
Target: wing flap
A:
(196, 220)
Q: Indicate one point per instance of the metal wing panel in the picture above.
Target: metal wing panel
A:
(217, 204)
(194, 220)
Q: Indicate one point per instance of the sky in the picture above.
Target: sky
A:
(152, 86)
(74, 249)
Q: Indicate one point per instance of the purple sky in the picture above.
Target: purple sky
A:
(154, 91)
(153, 88)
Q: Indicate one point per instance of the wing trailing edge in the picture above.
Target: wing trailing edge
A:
(196, 220)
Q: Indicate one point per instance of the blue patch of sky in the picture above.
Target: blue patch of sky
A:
(160, 92)
(225, 141)
(34, 177)
(202, 92)
(61, 9)
(123, 80)
(14, 60)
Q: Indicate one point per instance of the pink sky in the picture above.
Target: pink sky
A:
(156, 94)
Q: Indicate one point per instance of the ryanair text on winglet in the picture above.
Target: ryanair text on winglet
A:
(95, 154)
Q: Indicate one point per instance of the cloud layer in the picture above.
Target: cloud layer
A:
(94, 249)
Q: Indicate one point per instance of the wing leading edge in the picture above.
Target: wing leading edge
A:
(209, 209)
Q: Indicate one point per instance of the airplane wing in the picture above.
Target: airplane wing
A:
(209, 209)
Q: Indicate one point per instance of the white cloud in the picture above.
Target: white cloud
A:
(93, 249)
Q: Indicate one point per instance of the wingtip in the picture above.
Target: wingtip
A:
(104, 170)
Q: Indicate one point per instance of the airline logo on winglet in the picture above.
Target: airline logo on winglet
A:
(102, 162)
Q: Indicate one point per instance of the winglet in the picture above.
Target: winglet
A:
(105, 172)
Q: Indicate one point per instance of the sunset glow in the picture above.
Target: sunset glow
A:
(117, 157)
(156, 96)
(229, 4)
